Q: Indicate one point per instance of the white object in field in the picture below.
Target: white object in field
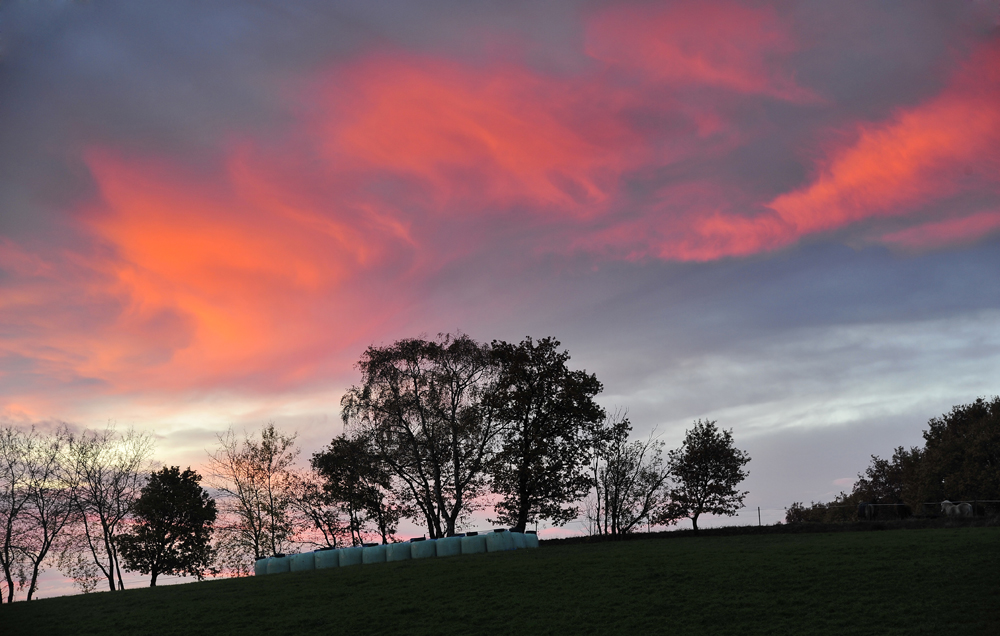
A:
(474, 544)
(519, 542)
(397, 552)
(278, 564)
(351, 556)
(495, 542)
(303, 562)
(327, 559)
(531, 540)
(373, 554)
(260, 567)
(448, 546)
(508, 540)
(423, 549)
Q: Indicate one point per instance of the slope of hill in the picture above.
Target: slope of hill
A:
(894, 582)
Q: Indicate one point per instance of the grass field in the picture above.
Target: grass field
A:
(926, 581)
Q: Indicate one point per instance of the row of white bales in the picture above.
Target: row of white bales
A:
(470, 543)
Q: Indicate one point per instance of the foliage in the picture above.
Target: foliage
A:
(421, 403)
(254, 479)
(356, 478)
(172, 532)
(961, 457)
(960, 461)
(893, 583)
(706, 470)
(629, 479)
(540, 468)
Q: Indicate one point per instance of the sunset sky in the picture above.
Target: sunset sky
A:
(784, 216)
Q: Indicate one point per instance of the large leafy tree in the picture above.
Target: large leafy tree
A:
(549, 414)
(172, 533)
(706, 472)
(421, 403)
(961, 457)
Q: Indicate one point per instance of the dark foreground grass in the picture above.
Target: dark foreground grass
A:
(944, 581)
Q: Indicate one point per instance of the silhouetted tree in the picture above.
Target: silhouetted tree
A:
(359, 480)
(172, 533)
(706, 471)
(255, 480)
(50, 507)
(629, 478)
(106, 472)
(961, 457)
(549, 415)
(421, 403)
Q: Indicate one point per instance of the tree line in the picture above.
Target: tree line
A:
(959, 461)
(435, 431)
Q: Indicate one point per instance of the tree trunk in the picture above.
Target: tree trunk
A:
(152, 581)
(694, 521)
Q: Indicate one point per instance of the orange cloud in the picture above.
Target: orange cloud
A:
(945, 233)
(497, 137)
(925, 154)
(214, 282)
(719, 44)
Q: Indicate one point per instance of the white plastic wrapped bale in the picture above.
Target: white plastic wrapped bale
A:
(373, 554)
(531, 539)
(278, 564)
(423, 549)
(495, 542)
(260, 567)
(351, 556)
(508, 540)
(302, 562)
(448, 546)
(474, 544)
(397, 552)
(327, 559)
(519, 542)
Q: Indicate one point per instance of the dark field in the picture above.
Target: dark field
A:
(914, 581)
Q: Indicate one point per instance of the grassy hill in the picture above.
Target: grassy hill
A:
(931, 581)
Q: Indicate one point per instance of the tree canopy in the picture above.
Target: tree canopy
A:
(172, 532)
(706, 470)
(549, 413)
(421, 403)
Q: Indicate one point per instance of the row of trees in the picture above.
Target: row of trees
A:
(435, 431)
(452, 419)
(960, 461)
(66, 495)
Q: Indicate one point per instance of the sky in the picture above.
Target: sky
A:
(783, 216)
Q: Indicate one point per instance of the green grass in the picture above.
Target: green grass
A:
(894, 582)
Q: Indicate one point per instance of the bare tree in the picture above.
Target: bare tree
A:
(106, 471)
(15, 447)
(50, 506)
(254, 480)
(320, 521)
(630, 479)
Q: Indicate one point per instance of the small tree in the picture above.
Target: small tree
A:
(254, 478)
(173, 527)
(706, 471)
(629, 478)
